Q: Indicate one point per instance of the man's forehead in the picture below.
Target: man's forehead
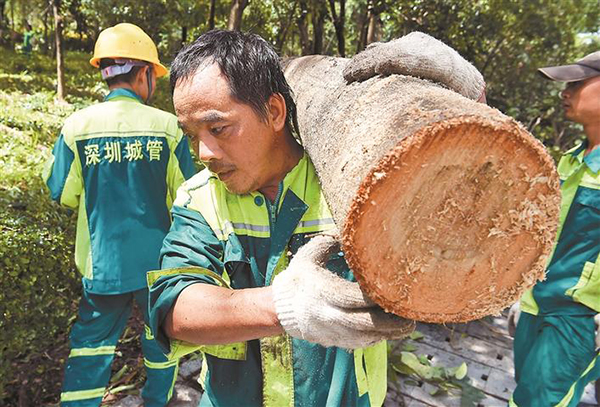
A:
(207, 74)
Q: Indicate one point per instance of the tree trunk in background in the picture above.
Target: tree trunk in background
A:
(447, 209)
(211, 17)
(2, 16)
(372, 22)
(305, 45)
(363, 28)
(60, 71)
(235, 14)
(338, 22)
(46, 47)
(184, 31)
(284, 27)
(318, 21)
(4, 32)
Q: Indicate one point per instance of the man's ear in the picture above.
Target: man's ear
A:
(277, 111)
(141, 74)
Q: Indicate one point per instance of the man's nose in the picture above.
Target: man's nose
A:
(565, 93)
(208, 151)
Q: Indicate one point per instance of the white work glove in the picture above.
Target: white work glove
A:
(314, 304)
(513, 318)
(418, 54)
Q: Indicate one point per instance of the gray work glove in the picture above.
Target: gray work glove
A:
(513, 318)
(316, 305)
(418, 54)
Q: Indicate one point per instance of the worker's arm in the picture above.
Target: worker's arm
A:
(420, 55)
(62, 173)
(227, 315)
(189, 300)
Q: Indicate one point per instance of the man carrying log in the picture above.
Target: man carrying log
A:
(554, 348)
(244, 277)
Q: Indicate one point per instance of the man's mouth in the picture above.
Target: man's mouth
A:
(223, 175)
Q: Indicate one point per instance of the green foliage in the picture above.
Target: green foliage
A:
(40, 285)
(415, 369)
(508, 40)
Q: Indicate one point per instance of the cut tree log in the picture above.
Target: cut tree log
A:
(447, 208)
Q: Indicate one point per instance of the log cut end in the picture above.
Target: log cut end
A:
(455, 222)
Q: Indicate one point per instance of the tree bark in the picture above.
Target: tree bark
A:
(284, 26)
(2, 16)
(373, 21)
(60, 71)
(184, 31)
(235, 14)
(211, 17)
(305, 45)
(318, 21)
(447, 209)
(338, 22)
(362, 26)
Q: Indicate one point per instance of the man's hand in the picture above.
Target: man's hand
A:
(513, 318)
(418, 54)
(316, 305)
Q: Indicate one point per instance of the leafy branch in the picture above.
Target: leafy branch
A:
(416, 369)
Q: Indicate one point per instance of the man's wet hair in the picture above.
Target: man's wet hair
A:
(249, 63)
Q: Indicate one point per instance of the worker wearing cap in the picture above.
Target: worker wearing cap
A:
(554, 348)
(119, 164)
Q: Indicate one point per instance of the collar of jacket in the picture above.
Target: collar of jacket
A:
(592, 160)
(123, 93)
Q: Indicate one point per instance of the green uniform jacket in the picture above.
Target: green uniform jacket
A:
(119, 163)
(243, 241)
(572, 284)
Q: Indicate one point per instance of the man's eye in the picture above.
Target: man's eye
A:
(574, 85)
(216, 130)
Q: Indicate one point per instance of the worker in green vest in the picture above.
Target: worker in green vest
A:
(249, 274)
(27, 39)
(119, 164)
(554, 347)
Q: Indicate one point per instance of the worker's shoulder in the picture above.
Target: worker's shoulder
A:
(114, 116)
(201, 186)
(158, 113)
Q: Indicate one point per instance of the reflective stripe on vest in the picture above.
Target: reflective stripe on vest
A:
(277, 361)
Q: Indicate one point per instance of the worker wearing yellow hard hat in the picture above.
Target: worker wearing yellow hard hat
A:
(127, 41)
(119, 163)
(126, 45)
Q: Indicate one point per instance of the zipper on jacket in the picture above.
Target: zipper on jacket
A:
(272, 207)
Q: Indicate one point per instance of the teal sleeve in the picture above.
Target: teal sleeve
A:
(65, 187)
(189, 243)
(186, 162)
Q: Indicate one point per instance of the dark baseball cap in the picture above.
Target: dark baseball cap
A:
(587, 67)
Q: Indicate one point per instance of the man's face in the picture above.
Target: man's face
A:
(581, 100)
(228, 136)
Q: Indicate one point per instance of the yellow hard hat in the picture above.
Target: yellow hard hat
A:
(127, 41)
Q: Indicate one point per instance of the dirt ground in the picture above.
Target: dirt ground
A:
(39, 378)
